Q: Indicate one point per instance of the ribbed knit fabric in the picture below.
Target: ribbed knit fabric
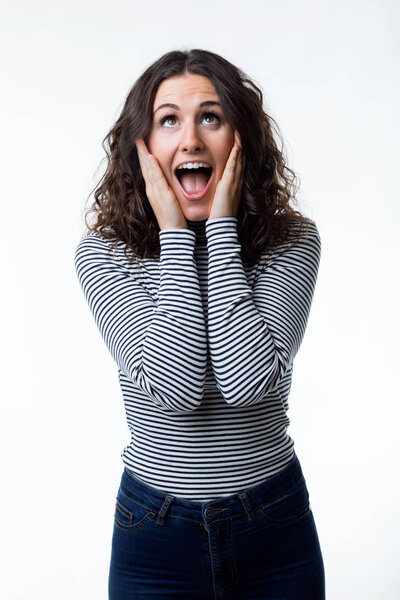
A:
(204, 349)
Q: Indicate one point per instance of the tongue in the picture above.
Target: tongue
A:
(193, 183)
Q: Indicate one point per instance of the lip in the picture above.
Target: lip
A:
(200, 195)
(198, 160)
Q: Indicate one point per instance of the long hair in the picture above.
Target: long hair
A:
(265, 217)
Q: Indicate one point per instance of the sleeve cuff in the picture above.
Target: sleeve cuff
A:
(176, 241)
(225, 227)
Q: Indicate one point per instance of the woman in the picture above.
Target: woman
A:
(204, 327)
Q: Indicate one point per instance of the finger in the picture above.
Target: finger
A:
(228, 178)
(154, 175)
(157, 172)
(141, 145)
(238, 179)
(240, 159)
(142, 151)
(232, 160)
(150, 160)
(143, 158)
(237, 139)
(151, 168)
(236, 161)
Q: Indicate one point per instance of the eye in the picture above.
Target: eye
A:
(210, 114)
(166, 118)
(207, 115)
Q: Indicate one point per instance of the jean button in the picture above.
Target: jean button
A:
(209, 512)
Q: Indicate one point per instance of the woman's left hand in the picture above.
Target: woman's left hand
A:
(229, 189)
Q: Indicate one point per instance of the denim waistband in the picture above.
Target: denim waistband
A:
(248, 500)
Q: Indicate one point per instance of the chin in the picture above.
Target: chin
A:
(196, 213)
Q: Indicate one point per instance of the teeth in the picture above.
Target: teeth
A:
(195, 165)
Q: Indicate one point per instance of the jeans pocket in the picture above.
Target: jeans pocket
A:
(289, 508)
(130, 515)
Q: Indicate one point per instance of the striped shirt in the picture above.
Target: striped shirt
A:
(204, 348)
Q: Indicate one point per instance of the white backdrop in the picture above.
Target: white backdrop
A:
(329, 71)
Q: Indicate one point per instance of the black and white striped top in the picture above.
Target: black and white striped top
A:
(204, 348)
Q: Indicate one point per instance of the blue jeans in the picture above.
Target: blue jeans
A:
(258, 544)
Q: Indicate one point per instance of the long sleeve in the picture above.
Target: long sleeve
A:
(255, 333)
(159, 344)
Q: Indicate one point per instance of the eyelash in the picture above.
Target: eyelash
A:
(206, 114)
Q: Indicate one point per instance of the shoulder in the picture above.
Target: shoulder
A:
(301, 249)
(302, 237)
(303, 230)
(93, 245)
(309, 239)
(97, 256)
(92, 240)
(94, 254)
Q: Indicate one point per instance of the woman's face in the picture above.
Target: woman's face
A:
(189, 133)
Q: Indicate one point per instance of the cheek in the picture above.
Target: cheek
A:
(161, 151)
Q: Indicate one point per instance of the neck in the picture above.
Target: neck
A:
(199, 227)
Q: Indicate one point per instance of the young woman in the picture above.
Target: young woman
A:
(200, 277)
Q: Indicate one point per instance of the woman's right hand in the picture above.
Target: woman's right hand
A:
(161, 197)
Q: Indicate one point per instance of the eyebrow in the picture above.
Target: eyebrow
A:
(176, 107)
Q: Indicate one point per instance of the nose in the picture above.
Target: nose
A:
(191, 140)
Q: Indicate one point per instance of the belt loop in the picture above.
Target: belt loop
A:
(163, 509)
(247, 506)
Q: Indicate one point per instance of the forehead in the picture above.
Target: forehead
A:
(184, 88)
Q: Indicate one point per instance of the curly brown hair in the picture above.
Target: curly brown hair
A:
(123, 211)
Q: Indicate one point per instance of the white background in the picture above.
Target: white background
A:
(329, 71)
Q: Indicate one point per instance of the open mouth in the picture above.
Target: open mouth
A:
(194, 182)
